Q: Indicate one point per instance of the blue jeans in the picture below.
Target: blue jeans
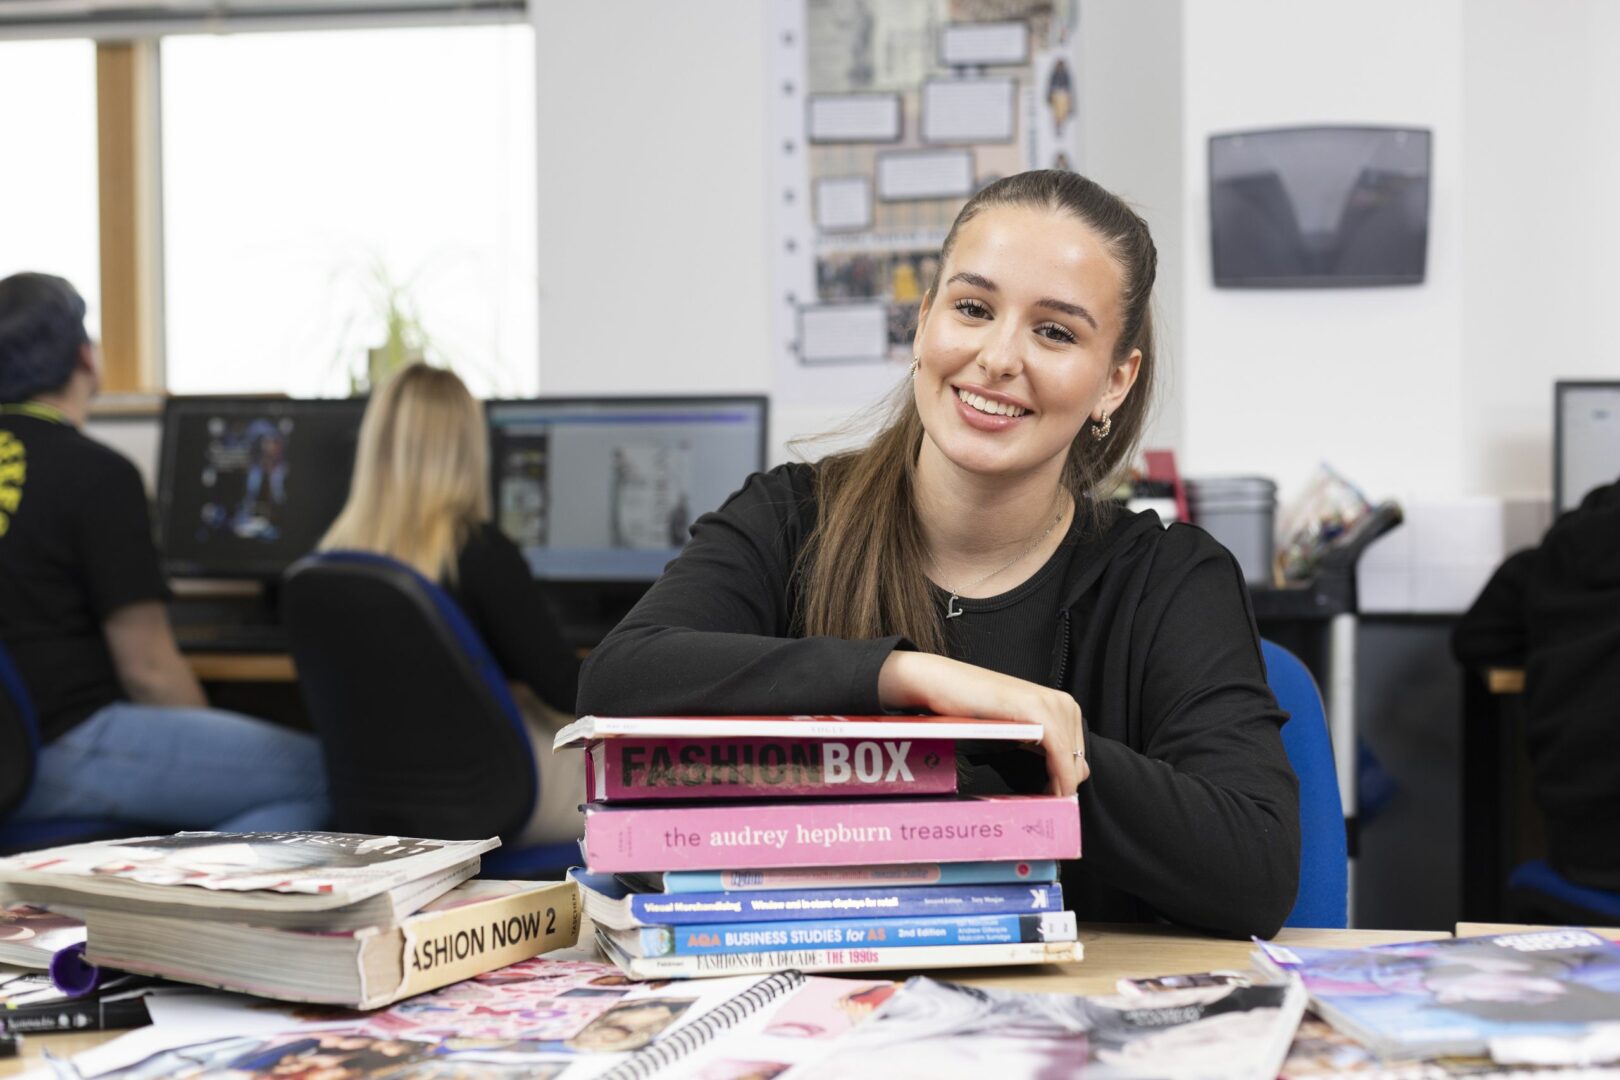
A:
(182, 769)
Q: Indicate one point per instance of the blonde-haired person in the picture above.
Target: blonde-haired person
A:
(420, 494)
(964, 562)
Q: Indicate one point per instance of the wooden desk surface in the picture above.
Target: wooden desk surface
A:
(1504, 680)
(242, 667)
(1112, 953)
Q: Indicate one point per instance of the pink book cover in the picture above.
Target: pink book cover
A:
(627, 769)
(871, 832)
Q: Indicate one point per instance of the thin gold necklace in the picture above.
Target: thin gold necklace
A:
(952, 610)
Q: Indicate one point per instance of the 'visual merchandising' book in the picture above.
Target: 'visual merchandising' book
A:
(315, 880)
(933, 1029)
(636, 769)
(838, 960)
(610, 903)
(712, 837)
(845, 877)
(476, 927)
(1548, 996)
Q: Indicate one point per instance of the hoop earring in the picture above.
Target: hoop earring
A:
(916, 362)
(1099, 431)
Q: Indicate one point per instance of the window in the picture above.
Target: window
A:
(49, 213)
(308, 175)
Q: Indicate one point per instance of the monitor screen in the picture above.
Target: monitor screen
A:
(1586, 431)
(1319, 207)
(605, 489)
(246, 486)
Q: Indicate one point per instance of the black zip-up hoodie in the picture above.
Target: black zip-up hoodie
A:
(1555, 609)
(1191, 812)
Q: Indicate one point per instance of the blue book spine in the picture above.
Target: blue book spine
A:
(1036, 871)
(700, 940)
(907, 901)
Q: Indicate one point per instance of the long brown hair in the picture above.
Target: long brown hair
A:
(861, 574)
(421, 473)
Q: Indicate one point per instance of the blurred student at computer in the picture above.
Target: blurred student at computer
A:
(420, 494)
(1555, 611)
(126, 730)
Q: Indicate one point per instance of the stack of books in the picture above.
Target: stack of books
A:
(751, 844)
(335, 918)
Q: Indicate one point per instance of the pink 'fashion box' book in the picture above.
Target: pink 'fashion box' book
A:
(871, 832)
(630, 769)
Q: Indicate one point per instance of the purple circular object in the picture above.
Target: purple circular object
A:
(71, 974)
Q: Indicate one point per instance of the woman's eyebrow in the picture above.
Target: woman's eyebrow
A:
(979, 281)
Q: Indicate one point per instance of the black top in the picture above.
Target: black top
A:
(1191, 811)
(75, 546)
(509, 610)
(1552, 609)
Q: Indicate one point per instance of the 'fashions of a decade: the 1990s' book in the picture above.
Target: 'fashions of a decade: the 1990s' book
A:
(876, 831)
(610, 903)
(845, 877)
(1550, 995)
(291, 879)
(633, 769)
(838, 960)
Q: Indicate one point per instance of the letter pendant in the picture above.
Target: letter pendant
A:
(951, 610)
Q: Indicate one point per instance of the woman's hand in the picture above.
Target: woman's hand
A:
(938, 684)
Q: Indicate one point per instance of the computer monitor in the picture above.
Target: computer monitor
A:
(1586, 438)
(248, 485)
(604, 489)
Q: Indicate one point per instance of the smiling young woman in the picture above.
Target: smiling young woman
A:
(963, 563)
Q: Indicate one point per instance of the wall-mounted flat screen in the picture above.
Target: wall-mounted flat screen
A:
(604, 489)
(1319, 207)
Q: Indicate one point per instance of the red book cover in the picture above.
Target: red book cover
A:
(628, 769)
(869, 832)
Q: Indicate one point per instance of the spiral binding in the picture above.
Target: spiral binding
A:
(649, 1060)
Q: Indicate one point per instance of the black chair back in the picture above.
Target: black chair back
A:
(19, 737)
(420, 734)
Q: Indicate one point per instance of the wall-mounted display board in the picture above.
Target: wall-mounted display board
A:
(884, 118)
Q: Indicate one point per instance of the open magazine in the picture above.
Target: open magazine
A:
(307, 871)
(31, 937)
(1538, 997)
(930, 1029)
(540, 1018)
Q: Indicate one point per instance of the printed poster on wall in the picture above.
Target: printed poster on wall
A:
(886, 115)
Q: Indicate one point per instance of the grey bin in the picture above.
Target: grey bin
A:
(1240, 512)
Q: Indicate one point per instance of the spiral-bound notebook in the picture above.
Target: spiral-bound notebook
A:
(682, 1043)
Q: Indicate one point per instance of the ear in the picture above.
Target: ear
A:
(924, 306)
(1121, 377)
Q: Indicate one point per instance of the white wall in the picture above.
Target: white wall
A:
(1367, 379)
(1542, 226)
(1131, 105)
(652, 188)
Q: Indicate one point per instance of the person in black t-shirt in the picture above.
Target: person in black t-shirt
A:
(420, 494)
(125, 728)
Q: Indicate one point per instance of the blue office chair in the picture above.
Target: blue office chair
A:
(1537, 893)
(420, 733)
(19, 753)
(1324, 861)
